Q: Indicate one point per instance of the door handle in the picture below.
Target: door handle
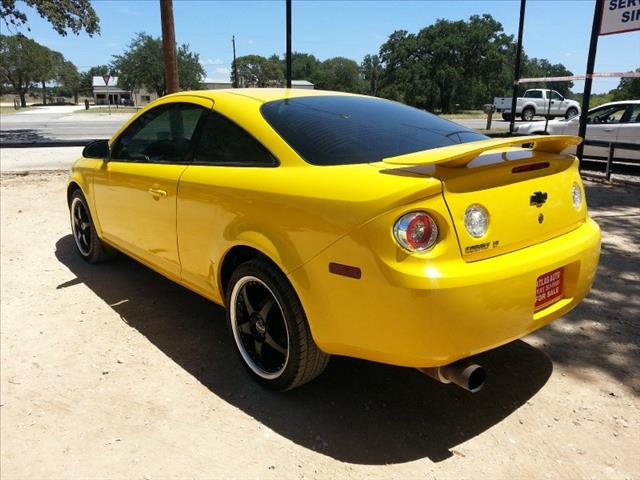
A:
(156, 192)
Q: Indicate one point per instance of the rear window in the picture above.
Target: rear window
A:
(533, 94)
(342, 130)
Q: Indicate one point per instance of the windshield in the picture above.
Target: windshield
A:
(342, 130)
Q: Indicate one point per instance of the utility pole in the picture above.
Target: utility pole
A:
(516, 79)
(169, 47)
(288, 59)
(591, 60)
(234, 68)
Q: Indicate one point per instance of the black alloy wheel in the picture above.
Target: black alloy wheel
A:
(269, 327)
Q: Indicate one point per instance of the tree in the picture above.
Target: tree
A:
(22, 63)
(627, 89)
(541, 67)
(63, 15)
(454, 63)
(339, 74)
(69, 79)
(142, 65)
(257, 71)
(370, 69)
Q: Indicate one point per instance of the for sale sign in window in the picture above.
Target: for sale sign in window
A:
(620, 16)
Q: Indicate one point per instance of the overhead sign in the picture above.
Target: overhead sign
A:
(620, 16)
(106, 77)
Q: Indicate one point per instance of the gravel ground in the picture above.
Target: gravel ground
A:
(112, 371)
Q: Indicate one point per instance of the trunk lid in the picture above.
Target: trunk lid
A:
(527, 193)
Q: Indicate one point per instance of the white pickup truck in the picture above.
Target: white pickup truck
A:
(536, 102)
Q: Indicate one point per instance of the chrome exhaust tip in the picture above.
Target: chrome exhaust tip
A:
(462, 373)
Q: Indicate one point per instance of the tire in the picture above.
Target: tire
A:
(571, 112)
(270, 329)
(527, 114)
(506, 117)
(88, 244)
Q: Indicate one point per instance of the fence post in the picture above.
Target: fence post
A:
(609, 161)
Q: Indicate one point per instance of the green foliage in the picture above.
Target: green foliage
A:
(339, 73)
(69, 79)
(63, 15)
(142, 65)
(370, 70)
(257, 71)
(628, 89)
(447, 64)
(24, 62)
(541, 67)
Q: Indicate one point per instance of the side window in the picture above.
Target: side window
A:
(556, 96)
(634, 117)
(607, 115)
(162, 135)
(533, 94)
(222, 142)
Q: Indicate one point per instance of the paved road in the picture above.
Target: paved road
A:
(58, 123)
(61, 123)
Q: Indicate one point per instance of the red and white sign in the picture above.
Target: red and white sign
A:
(549, 288)
(106, 77)
(620, 16)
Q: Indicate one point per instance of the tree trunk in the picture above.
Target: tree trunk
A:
(75, 97)
(23, 100)
(44, 94)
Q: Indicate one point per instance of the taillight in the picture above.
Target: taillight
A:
(416, 231)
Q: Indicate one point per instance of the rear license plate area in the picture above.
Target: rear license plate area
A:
(549, 288)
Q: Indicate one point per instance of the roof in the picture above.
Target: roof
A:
(619, 102)
(263, 94)
(99, 82)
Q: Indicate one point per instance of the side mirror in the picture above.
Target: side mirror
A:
(97, 149)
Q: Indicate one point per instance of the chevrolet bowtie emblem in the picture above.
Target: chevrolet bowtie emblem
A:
(538, 198)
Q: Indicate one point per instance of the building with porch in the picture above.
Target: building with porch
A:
(113, 94)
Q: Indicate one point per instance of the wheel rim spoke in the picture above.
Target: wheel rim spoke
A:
(258, 348)
(268, 339)
(245, 328)
(247, 303)
(266, 308)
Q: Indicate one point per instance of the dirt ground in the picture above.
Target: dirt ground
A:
(112, 371)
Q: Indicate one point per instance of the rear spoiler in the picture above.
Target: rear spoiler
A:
(459, 155)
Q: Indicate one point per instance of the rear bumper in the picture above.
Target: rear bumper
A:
(439, 312)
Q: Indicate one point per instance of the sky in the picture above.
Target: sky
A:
(558, 30)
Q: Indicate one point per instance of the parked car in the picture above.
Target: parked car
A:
(336, 224)
(534, 102)
(611, 122)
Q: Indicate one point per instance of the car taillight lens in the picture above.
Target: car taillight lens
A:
(416, 231)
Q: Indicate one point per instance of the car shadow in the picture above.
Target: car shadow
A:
(356, 411)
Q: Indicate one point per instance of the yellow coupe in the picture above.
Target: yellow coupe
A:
(329, 223)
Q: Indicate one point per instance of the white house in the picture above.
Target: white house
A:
(104, 94)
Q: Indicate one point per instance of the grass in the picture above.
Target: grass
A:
(464, 114)
(106, 110)
(8, 110)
